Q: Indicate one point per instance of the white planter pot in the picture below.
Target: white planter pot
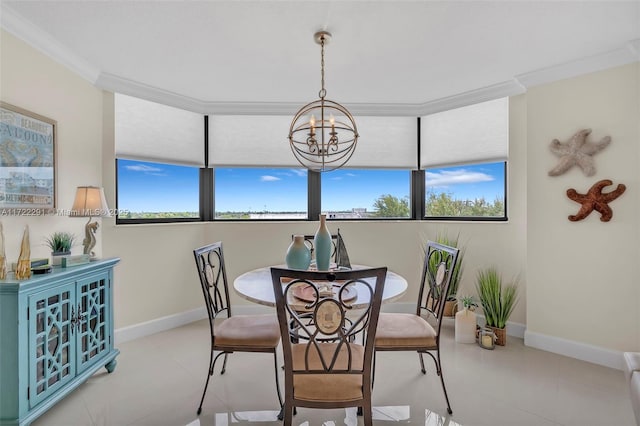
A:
(465, 326)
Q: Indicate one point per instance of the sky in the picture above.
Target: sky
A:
(153, 187)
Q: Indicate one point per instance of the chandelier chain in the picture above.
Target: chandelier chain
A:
(322, 92)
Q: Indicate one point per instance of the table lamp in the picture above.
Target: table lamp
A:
(90, 202)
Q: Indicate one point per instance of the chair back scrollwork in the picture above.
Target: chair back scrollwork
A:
(439, 263)
(328, 327)
(213, 280)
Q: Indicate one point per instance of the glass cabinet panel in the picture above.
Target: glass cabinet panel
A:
(92, 327)
(49, 342)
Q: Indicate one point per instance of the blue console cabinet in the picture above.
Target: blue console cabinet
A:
(56, 330)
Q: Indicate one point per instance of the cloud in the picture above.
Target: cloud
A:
(299, 172)
(147, 170)
(454, 177)
(143, 168)
(267, 178)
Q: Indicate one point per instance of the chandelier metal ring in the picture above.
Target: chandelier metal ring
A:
(326, 143)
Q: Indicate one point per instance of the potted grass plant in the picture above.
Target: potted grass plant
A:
(60, 244)
(497, 301)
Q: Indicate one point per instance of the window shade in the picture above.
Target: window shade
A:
(149, 131)
(471, 134)
(250, 140)
(385, 142)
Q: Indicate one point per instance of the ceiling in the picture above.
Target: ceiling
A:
(206, 55)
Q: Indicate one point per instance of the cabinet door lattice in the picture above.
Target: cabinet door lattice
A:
(92, 320)
(50, 341)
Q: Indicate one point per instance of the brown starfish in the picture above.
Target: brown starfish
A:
(577, 151)
(596, 200)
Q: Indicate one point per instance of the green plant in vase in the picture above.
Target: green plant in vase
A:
(60, 242)
(468, 302)
(497, 300)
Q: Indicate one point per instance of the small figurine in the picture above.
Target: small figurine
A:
(3, 256)
(23, 271)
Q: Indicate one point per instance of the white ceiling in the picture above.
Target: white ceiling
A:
(204, 54)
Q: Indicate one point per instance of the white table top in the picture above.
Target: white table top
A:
(256, 287)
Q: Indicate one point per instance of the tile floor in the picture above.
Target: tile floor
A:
(159, 380)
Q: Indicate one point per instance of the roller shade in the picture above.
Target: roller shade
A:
(149, 131)
(472, 134)
(250, 140)
(385, 142)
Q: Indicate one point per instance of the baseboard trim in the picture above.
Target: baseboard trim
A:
(582, 351)
(514, 329)
(136, 331)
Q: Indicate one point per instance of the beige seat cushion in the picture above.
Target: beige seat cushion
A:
(327, 387)
(404, 331)
(256, 331)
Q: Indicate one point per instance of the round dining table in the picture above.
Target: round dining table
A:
(256, 286)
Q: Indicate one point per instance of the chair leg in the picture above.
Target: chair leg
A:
(224, 363)
(212, 364)
(424, 370)
(373, 369)
(275, 363)
(367, 415)
(444, 388)
(288, 416)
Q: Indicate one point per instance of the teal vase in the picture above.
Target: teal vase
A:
(323, 245)
(298, 254)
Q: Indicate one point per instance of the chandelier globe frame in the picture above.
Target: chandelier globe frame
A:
(326, 143)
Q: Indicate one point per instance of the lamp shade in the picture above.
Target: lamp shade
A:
(90, 201)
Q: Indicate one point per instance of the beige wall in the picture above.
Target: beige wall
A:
(577, 279)
(34, 82)
(583, 276)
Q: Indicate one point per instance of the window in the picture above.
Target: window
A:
(260, 193)
(366, 193)
(445, 165)
(464, 153)
(156, 191)
(470, 191)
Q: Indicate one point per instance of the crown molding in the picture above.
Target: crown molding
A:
(627, 54)
(495, 91)
(23, 29)
(290, 108)
(113, 83)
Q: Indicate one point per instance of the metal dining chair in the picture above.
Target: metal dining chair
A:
(329, 369)
(412, 332)
(231, 333)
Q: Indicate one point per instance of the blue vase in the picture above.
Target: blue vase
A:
(323, 245)
(298, 254)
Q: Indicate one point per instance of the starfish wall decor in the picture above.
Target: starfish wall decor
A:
(596, 200)
(577, 151)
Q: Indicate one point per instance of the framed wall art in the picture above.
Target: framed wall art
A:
(27, 162)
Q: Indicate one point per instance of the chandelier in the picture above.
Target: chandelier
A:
(323, 133)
